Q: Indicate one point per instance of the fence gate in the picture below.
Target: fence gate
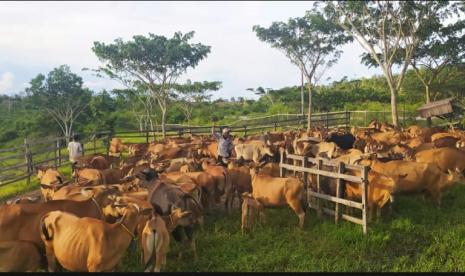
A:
(333, 170)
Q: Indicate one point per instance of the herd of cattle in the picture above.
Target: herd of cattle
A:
(150, 192)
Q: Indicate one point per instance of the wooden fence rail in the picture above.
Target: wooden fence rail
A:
(318, 167)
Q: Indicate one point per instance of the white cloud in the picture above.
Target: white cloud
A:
(6, 82)
(48, 34)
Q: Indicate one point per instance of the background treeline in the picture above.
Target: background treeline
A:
(113, 110)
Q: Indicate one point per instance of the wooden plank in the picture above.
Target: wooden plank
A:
(365, 198)
(318, 187)
(3, 183)
(342, 201)
(339, 189)
(11, 149)
(346, 177)
(8, 168)
(19, 156)
(344, 216)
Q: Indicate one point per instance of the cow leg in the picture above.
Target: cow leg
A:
(191, 238)
(51, 259)
(297, 207)
(378, 213)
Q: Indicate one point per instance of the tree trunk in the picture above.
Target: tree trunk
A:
(395, 117)
(302, 93)
(309, 116)
(163, 121)
(429, 122)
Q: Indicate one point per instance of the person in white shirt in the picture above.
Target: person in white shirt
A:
(75, 150)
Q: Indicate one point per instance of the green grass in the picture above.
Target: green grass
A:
(416, 237)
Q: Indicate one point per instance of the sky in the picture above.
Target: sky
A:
(36, 37)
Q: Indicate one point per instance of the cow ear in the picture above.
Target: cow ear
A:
(146, 211)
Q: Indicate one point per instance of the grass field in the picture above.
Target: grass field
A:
(416, 237)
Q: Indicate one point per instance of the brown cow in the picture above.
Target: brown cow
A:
(223, 181)
(16, 221)
(87, 244)
(276, 192)
(241, 182)
(19, 256)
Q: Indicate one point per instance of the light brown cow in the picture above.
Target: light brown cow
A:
(223, 181)
(116, 147)
(87, 244)
(156, 239)
(254, 151)
(277, 192)
(417, 177)
(445, 158)
(19, 256)
(86, 177)
(380, 188)
(17, 220)
(50, 180)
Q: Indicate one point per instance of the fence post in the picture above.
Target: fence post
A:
(365, 124)
(245, 131)
(275, 125)
(318, 180)
(147, 136)
(281, 169)
(365, 198)
(28, 159)
(339, 191)
(305, 165)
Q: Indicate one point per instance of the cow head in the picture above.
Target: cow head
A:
(460, 144)
(41, 171)
(455, 176)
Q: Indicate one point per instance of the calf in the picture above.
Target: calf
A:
(19, 256)
(249, 207)
(156, 239)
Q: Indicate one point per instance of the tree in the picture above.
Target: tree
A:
(389, 31)
(61, 95)
(190, 94)
(442, 46)
(154, 62)
(310, 42)
(260, 91)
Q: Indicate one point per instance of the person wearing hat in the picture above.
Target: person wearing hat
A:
(75, 150)
(225, 145)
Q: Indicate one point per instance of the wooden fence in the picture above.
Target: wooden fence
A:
(18, 163)
(319, 167)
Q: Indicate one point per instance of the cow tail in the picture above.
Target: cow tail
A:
(148, 246)
(43, 229)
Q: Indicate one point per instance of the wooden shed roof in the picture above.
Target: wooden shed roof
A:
(436, 108)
